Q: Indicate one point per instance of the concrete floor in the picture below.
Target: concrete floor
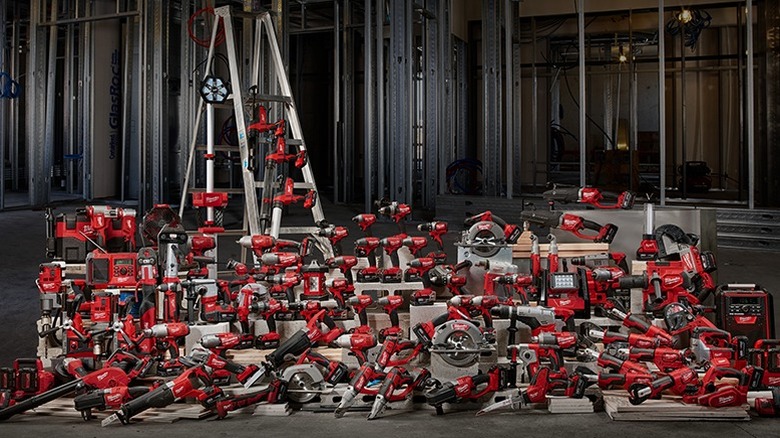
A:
(22, 250)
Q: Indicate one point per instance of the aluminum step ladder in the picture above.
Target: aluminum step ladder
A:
(259, 217)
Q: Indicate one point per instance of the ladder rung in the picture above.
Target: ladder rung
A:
(233, 233)
(297, 185)
(234, 191)
(298, 230)
(219, 147)
(294, 142)
(271, 98)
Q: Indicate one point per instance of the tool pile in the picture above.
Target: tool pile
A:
(115, 316)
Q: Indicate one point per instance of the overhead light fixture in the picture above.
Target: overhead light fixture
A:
(685, 16)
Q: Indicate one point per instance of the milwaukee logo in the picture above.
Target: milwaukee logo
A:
(565, 302)
(102, 376)
(726, 400)
(457, 326)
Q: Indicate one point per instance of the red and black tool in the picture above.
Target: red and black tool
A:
(395, 211)
(681, 381)
(467, 388)
(390, 305)
(100, 379)
(571, 223)
(397, 386)
(275, 392)
(108, 398)
(343, 264)
(366, 247)
(590, 196)
(511, 232)
(335, 235)
(365, 221)
(187, 384)
(391, 245)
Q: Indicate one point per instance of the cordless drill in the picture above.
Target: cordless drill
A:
(335, 235)
(391, 245)
(390, 305)
(366, 247)
(436, 230)
(365, 221)
(341, 290)
(359, 303)
(343, 264)
(283, 284)
(397, 212)
(418, 268)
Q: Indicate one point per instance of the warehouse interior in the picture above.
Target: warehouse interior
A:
(636, 136)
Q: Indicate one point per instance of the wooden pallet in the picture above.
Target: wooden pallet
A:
(253, 356)
(522, 249)
(63, 407)
(668, 408)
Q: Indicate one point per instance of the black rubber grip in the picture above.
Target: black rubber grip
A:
(589, 224)
(633, 282)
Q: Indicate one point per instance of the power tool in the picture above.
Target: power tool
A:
(365, 221)
(359, 304)
(436, 230)
(343, 264)
(395, 211)
(571, 223)
(590, 196)
(768, 407)
(108, 398)
(100, 379)
(366, 247)
(390, 305)
(418, 268)
(467, 388)
(400, 380)
(275, 392)
(391, 245)
(335, 235)
(681, 381)
(765, 354)
(511, 232)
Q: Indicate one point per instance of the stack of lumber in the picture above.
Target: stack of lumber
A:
(668, 408)
(63, 407)
(522, 249)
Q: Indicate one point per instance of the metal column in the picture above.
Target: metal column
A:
(771, 193)
(433, 86)
(400, 101)
(662, 100)
(491, 81)
(154, 37)
(447, 99)
(38, 161)
(509, 17)
(749, 110)
(348, 104)
(583, 103)
(337, 157)
(3, 103)
(369, 140)
(380, 98)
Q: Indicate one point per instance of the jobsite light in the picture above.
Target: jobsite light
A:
(685, 16)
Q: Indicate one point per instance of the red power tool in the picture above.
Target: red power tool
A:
(591, 196)
(418, 268)
(341, 290)
(636, 322)
(287, 197)
(768, 407)
(391, 245)
(390, 305)
(357, 344)
(335, 235)
(343, 264)
(359, 304)
(187, 384)
(415, 244)
(665, 358)
(765, 354)
(467, 388)
(275, 392)
(99, 379)
(109, 398)
(365, 221)
(571, 223)
(395, 211)
(435, 229)
(397, 386)
(681, 381)
(511, 232)
(366, 247)
(718, 395)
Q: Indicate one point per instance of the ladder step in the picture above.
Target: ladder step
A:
(233, 233)
(219, 147)
(234, 191)
(298, 230)
(294, 142)
(297, 185)
(272, 98)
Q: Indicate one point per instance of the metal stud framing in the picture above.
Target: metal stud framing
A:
(491, 82)
(400, 101)
(433, 79)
